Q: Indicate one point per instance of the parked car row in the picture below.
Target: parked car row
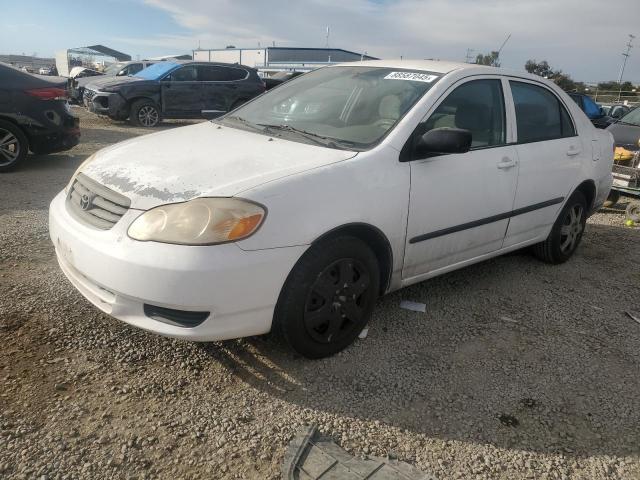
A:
(34, 116)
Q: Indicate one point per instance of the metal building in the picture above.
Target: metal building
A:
(278, 59)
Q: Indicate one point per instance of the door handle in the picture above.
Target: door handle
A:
(573, 150)
(506, 163)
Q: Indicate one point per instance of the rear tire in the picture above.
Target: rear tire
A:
(612, 199)
(566, 233)
(328, 297)
(14, 146)
(144, 113)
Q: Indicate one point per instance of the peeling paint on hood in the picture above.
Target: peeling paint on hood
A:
(203, 160)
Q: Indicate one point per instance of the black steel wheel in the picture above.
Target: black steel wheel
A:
(337, 300)
(328, 297)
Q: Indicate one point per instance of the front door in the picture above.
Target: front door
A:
(460, 203)
(550, 154)
(181, 92)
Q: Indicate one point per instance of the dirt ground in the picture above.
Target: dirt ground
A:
(517, 370)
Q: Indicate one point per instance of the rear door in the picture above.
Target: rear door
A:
(549, 152)
(181, 92)
(220, 87)
(460, 203)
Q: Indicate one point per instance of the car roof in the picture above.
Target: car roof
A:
(442, 67)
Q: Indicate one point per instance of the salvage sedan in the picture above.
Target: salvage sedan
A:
(295, 212)
(34, 116)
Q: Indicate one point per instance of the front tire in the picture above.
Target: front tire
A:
(14, 146)
(566, 233)
(328, 297)
(144, 113)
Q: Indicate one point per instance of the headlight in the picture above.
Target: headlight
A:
(78, 170)
(203, 221)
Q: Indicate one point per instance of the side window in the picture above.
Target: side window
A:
(477, 106)
(539, 114)
(237, 74)
(185, 74)
(134, 68)
(210, 73)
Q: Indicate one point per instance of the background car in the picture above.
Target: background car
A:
(615, 110)
(279, 78)
(626, 135)
(592, 110)
(120, 69)
(34, 115)
(174, 89)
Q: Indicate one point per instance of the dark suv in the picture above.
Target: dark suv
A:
(172, 89)
(34, 115)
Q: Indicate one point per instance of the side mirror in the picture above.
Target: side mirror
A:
(442, 141)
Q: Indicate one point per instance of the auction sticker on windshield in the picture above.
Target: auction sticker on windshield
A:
(413, 76)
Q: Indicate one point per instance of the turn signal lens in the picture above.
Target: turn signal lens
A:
(203, 221)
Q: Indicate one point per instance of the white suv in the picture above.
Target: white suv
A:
(297, 210)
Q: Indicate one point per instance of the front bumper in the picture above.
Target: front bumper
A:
(106, 103)
(119, 275)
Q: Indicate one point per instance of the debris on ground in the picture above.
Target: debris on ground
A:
(413, 306)
(633, 317)
(311, 457)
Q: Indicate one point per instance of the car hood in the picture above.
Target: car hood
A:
(625, 135)
(203, 160)
(109, 81)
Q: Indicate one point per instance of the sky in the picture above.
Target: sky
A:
(584, 38)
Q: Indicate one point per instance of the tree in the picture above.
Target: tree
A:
(491, 59)
(563, 80)
(542, 68)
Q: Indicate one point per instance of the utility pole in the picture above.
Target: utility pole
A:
(495, 62)
(328, 33)
(626, 56)
(469, 55)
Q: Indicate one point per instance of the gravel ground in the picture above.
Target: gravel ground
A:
(517, 369)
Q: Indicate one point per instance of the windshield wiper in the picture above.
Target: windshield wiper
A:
(627, 123)
(314, 137)
(240, 120)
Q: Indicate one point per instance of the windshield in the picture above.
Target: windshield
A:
(114, 69)
(348, 107)
(157, 70)
(632, 118)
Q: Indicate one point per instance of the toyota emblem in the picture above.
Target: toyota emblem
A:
(86, 201)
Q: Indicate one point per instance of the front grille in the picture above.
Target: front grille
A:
(95, 204)
(89, 94)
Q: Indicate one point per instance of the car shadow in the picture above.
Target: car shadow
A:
(489, 362)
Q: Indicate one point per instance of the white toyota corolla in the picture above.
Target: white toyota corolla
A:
(299, 209)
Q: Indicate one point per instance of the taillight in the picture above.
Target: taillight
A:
(48, 93)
